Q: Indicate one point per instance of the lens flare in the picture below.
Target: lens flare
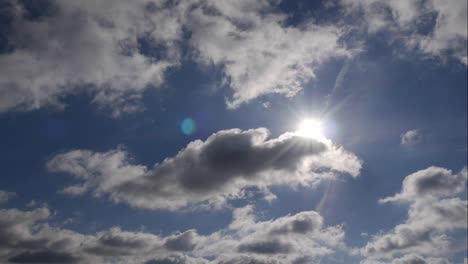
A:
(188, 126)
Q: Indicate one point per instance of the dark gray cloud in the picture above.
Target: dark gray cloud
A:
(265, 247)
(248, 260)
(44, 257)
(301, 223)
(169, 260)
(207, 172)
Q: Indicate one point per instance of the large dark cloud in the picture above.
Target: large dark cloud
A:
(207, 172)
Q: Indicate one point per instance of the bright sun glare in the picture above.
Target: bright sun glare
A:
(311, 128)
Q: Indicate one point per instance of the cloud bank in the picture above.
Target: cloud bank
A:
(26, 237)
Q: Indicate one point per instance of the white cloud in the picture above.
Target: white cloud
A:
(429, 183)
(258, 53)
(90, 46)
(207, 172)
(410, 137)
(405, 19)
(113, 51)
(434, 213)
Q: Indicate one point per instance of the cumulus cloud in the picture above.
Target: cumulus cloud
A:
(408, 21)
(63, 47)
(115, 50)
(434, 212)
(28, 237)
(410, 137)
(258, 53)
(182, 242)
(429, 183)
(207, 172)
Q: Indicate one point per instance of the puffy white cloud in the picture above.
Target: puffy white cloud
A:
(410, 137)
(430, 182)
(207, 172)
(434, 213)
(408, 21)
(90, 46)
(258, 53)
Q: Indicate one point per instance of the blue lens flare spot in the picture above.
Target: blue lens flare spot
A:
(188, 126)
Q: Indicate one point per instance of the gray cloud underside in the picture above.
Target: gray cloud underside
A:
(209, 172)
(26, 237)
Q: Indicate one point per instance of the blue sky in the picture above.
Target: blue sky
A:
(172, 132)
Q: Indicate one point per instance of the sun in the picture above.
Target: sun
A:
(310, 128)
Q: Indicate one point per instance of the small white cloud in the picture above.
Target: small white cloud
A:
(411, 137)
(6, 196)
(266, 105)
